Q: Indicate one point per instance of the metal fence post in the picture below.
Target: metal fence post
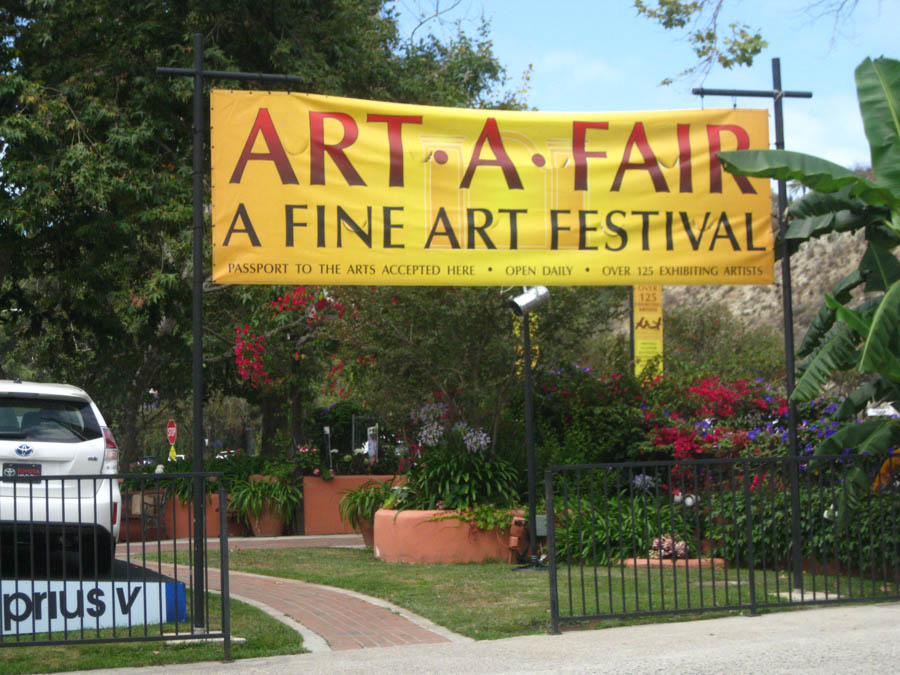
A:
(551, 546)
(751, 551)
(223, 569)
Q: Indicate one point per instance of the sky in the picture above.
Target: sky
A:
(598, 55)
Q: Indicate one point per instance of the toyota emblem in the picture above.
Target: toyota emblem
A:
(9, 471)
(24, 450)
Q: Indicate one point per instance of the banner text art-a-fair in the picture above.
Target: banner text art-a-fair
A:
(329, 190)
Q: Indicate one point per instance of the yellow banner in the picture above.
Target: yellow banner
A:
(327, 190)
(647, 329)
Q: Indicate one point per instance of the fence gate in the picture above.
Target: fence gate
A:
(652, 538)
(63, 580)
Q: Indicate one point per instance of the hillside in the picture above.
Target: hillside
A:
(815, 268)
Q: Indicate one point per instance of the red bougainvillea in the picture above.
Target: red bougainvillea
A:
(255, 364)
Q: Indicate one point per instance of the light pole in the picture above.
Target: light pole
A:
(521, 305)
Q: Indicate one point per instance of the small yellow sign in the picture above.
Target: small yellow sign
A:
(327, 190)
(648, 326)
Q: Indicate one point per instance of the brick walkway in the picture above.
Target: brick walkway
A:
(338, 619)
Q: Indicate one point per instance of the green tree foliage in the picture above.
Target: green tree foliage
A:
(712, 43)
(848, 332)
(401, 346)
(95, 171)
(586, 418)
(730, 45)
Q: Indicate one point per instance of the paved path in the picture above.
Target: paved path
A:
(830, 641)
(339, 627)
(328, 618)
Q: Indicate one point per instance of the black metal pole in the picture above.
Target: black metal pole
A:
(788, 309)
(551, 549)
(631, 329)
(197, 347)
(529, 445)
(199, 499)
(778, 95)
(223, 571)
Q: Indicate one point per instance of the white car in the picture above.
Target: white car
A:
(48, 432)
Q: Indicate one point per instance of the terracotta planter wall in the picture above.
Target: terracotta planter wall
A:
(414, 537)
(133, 527)
(267, 524)
(179, 520)
(321, 499)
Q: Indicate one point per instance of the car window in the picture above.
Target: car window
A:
(51, 420)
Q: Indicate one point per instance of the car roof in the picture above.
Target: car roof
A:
(40, 389)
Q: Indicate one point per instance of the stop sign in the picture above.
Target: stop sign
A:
(171, 432)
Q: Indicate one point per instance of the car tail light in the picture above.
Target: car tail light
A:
(111, 452)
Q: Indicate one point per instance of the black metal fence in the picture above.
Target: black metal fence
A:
(649, 538)
(65, 580)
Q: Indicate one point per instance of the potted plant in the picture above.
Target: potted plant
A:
(179, 504)
(266, 503)
(358, 506)
(458, 502)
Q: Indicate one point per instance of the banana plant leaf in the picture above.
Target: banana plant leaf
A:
(879, 267)
(813, 172)
(825, 317)
(872, 437)
(838, 352)
(882, 337)
(876, 389)
(878, 90)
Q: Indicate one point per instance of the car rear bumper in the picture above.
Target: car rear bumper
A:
(26, 508)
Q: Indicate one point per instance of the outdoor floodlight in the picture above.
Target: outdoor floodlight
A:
(531, 298)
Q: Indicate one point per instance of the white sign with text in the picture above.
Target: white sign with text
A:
(49, 606)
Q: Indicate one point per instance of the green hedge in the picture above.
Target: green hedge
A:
(604, 530)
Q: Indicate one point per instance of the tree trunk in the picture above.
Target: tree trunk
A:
(127, 432)
(272, 420)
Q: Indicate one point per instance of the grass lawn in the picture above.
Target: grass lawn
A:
(265, 637)
(490, 600)
(483, 601)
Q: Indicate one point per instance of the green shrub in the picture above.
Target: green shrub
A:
(249, 498)
(869, 547)
(708, 340)
(450, 476)
(361, 503)
(234, 468)
(604, 530)
(345, 460)
(582, 417)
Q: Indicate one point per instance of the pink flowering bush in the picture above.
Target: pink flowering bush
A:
(585, 417)
(668, 546)
(710, 418)
(309, 462)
